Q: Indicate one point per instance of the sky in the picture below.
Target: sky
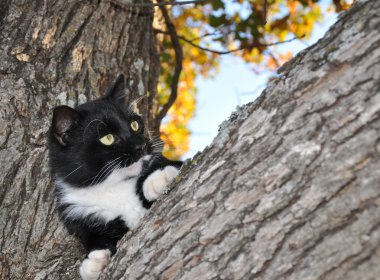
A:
(236, 84)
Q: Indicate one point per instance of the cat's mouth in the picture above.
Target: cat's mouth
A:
(129, 160)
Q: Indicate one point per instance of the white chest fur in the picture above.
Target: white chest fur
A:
(114, 197)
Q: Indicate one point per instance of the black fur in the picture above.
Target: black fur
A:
(77, 156)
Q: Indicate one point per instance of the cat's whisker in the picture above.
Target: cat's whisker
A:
(155, 137)
(156, 156)
(160, 144)
(115, 166)
(152, 135)
(108, 164)
(103, 170)
(102, 177)
(104, 173)
(73, 171)
(132, 107)
(156, 150)
(156, 141)
(157, 146)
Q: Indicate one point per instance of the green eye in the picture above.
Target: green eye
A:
(107, 140)
(135, 125)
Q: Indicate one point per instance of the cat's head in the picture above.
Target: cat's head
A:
(87, 142)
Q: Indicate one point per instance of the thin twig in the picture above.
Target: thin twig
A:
(204, 36)
(265, 11)
(160, 3)
(191, 42)
(178, 63)
(274, 59)
(207, 34)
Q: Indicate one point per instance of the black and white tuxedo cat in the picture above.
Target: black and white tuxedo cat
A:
(106, 172)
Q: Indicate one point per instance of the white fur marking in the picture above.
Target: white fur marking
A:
(116, 196)
(156, 183)
(91, 267)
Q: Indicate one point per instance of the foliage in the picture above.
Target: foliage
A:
(244, 28)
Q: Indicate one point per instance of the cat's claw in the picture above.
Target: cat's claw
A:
(91, 267)
(166, 191)
(157, 182)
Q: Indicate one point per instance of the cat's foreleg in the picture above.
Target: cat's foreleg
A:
(156, 183)
(98, 245)
(94, 264)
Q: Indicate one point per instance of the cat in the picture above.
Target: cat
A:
(106, 173)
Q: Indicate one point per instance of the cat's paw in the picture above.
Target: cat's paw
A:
(157, 182)
(95, 263)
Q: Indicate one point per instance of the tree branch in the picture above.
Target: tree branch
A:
(178, 63)
(191, 42)
(205, 35)
(160, 3)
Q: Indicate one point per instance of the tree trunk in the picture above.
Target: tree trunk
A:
(57, 52)
(289, 189)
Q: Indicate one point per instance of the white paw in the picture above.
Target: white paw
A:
(157, 182)
(91, 267)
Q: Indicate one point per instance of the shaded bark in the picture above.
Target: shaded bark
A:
(290, 187)
(57, 52)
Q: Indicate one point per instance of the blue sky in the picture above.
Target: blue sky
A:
(235, 84)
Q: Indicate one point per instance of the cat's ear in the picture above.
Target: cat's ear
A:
(64, 118)
(117, 91)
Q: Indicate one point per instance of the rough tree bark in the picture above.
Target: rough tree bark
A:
(56, 52)
(289, 189)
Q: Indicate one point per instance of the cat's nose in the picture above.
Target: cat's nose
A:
(140, 147)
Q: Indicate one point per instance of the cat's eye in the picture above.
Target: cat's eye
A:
(135, 125)
(107, 139)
